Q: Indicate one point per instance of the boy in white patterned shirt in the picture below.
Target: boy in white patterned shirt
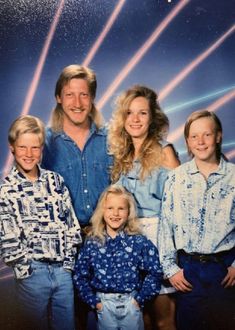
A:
(39, 232)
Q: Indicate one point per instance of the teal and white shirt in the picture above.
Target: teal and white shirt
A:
(198, 215)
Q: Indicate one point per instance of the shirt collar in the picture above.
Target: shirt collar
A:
(121, 234)
(93, 130)
(221, 169)
(19, 176)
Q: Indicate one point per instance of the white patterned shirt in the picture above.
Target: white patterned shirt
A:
(37, 221)
(198, 215)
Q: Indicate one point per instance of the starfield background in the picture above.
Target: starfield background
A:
(185, 50)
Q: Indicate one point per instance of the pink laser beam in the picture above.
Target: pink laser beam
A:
(104, 32)
(37, 74)
(177, 133)
(166, 90)
(6, 277)
(230, 154)
(140, 53)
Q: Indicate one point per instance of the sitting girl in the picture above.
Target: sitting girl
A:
(118, 269)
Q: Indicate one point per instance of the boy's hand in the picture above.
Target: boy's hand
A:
(179, 282)
(229, 279)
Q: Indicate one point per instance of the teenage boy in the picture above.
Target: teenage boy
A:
(197, 240)
(39, 232)
(76, 148)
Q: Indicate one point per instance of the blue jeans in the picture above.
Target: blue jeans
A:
(209, 306)
(119, 312)
(46, 298)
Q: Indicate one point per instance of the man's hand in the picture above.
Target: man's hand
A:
(229, 279)
(179, 282)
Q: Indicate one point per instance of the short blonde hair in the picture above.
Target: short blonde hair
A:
(26, 124)
(204, 114)
(70, 72)
(98, 224)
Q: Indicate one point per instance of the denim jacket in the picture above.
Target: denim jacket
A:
(148, 193)
(86, 173)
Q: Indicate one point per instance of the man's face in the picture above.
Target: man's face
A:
(76, 102)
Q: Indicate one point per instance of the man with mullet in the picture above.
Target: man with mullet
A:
(76, 141)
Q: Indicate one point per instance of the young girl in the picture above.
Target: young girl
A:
(141, 159)
(117, 269)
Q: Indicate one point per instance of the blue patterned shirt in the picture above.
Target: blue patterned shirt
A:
(37, 221)
(198, 215)
(117, 266)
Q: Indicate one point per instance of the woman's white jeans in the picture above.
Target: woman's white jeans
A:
(149, 227)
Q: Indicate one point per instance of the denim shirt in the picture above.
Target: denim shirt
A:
(86, 173)
(147, 193)
(198, 215)
(37, 221)
(117, 266)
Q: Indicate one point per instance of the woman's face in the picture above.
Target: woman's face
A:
(138, 118)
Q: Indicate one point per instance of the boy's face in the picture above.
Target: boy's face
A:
(27, 151)
(116, 213)
(203, 138)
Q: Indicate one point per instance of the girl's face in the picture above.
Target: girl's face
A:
(138, 118)
(202, 139)
(116, 211)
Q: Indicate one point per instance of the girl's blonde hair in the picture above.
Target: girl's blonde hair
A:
(120, 142)
(131, 226)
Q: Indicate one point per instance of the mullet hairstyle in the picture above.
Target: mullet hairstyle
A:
(120, 142)
(26, 124)
(75, 71)
(204, 114)
(98, 229)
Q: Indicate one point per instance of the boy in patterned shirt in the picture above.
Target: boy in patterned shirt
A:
(39, 232)
(197, 241)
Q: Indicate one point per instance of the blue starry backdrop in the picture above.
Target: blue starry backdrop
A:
(185, 50)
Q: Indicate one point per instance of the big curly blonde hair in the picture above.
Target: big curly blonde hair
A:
(120, 142)
(131, 227)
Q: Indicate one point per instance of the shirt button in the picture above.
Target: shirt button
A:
(85, 190)
(88, 206)
(84, 174)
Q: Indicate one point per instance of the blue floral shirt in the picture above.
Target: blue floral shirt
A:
(198, 215)
(118, 266)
